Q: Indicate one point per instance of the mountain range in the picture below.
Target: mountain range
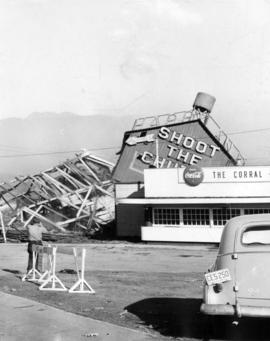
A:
(42, 140)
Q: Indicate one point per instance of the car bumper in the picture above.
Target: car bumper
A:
(239, 310)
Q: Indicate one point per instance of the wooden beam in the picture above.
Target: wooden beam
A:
(72, 205)
(75, 169)
(60, 214)
(104, 191)
(13, 209)
(62, 188)
(49, 185)
(84, 202)
(42, 183)
(37, 181)
(89, 169)
(93, 213)
(27, 198)
(31, 217)
(80, 225)
(56, 198)
(68, 178)
(42, 195)
(72, 220)
(82, 190)
(54, 211)
(99, 161)
(12, 221)
(73, 180)
(8, 191)
(3, 227)
(42, 218)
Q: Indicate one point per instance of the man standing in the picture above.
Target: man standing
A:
(35, 231)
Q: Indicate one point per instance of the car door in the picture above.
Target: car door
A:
(252, 265)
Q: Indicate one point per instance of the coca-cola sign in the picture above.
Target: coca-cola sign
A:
(193, 175)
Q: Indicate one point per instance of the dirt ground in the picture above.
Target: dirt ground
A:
(154, 288)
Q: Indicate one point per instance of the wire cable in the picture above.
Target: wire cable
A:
(110, 148)
(57, 152)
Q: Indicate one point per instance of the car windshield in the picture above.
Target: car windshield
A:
(256, 235)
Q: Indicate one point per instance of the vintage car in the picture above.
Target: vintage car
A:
(238, 284)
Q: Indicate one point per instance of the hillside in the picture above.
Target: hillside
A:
(48, 137)
(43, 140)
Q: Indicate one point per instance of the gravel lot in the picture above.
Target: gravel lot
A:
(154, 288)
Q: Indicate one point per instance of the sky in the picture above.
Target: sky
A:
(136, 57)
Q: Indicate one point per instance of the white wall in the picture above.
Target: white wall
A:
(181, 234)
(169, 183)
(129, 191)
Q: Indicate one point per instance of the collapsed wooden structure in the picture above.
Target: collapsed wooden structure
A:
(75, 195)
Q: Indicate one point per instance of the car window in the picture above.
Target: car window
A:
(256, 235)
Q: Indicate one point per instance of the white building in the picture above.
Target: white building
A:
(178, 179)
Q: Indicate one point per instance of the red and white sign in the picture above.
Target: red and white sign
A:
(193, 175)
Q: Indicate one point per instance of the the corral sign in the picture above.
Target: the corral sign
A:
(221, 183)
(228, 174)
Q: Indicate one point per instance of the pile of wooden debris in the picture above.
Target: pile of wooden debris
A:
(75, 196)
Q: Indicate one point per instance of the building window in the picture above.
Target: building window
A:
(222, 215)
(204, 217)
(256, 210)
(196, 216)
(166, 216)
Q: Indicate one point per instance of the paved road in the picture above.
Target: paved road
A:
(23, 319)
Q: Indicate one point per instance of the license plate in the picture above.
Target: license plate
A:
(216, 277)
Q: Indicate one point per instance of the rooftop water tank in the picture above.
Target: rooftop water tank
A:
(204, 101)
